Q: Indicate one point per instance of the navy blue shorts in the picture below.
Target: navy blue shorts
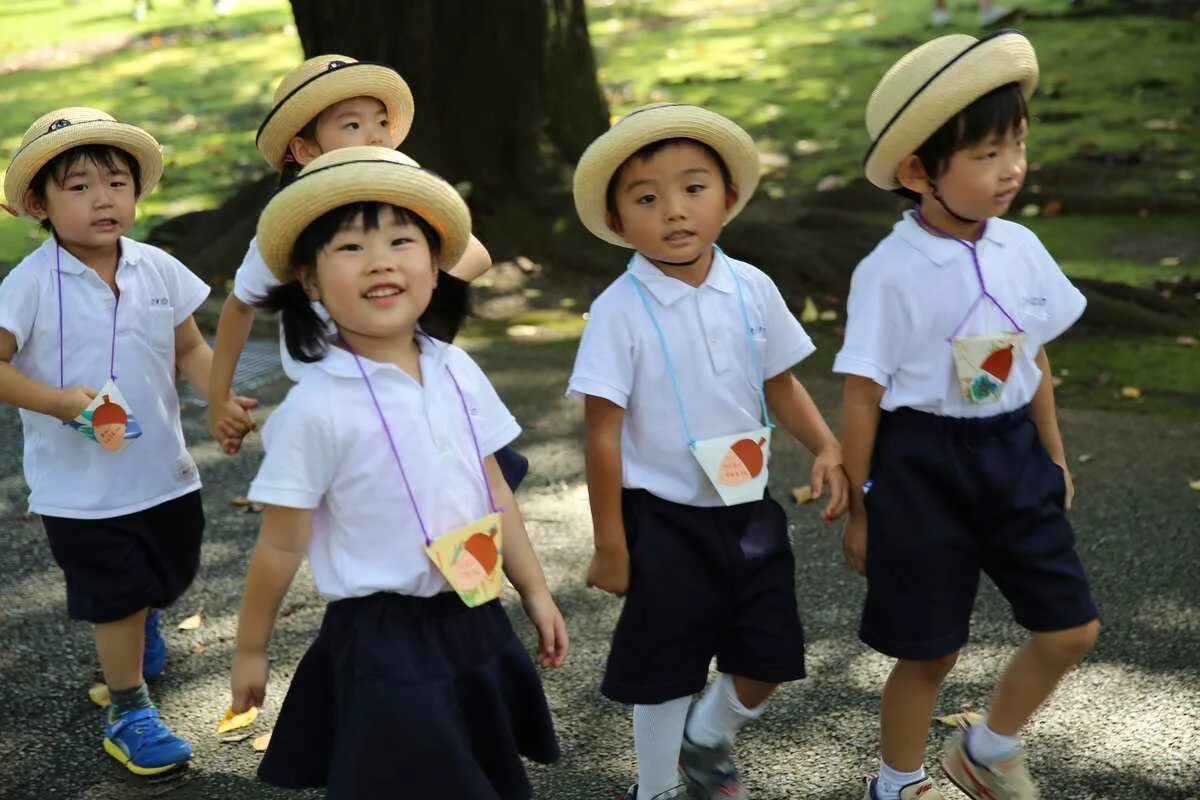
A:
(514, 466)
(118, 566)
(405, 696)
(949, 498)
(704, 582)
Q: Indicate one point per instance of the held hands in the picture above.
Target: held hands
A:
(248, 681)
(553, 642)
(609, 570)
(72, 401)
(854, 541)
(229, 422)
(827, 469)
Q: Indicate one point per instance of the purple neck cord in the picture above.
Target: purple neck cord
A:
(984, 293)
(396, 453)
(112, 352)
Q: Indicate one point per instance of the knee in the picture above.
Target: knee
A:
(1071, 645)
(935, 671)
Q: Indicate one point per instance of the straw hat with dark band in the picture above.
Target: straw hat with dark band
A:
(928, 86)
(357, 175)
(322, 81)
(59, 131)
(655, 123)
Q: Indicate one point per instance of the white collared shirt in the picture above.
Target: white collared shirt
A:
(251, 283)
(620, 359)
(326, 450)
(910, 293)
(69, 475)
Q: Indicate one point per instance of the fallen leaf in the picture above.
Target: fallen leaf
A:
(830, 183)
(260, 744)
(191, 623)
(232, 721)
(959, 719)
(1056, 381)
(1131, 392)
(1170, 261)
(234, 738)
(198, 648)
(98, 693)
(522, 331)
(239, 502)
(1031, 210)
(1084, 458)
(1186, 341)
(1195, 485)
(802, 495)
(1053, 208)
(828, 315)
(1185, 175)
(810, 313)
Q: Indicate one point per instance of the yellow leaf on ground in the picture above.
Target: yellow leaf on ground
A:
(802, 494)
(961, 718)
(260, 744)
(1131, 392)
(232, 721)
(1186, 341)
(810, 313)
(98, 693)
(191, 623)
(239, 502)
(828, 315)
(1195, 485)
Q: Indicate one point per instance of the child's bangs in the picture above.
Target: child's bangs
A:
(321, 231)
(1000, 112)
(104, 157)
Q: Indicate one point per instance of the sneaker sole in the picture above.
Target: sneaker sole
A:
(116, 752)
(950, 777)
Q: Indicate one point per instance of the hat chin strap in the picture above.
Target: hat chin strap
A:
(937, 196)
(678, 263)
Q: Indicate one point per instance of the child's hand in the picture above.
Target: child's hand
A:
(552, 629)
(229, 422)
(72, 401)
(1069, 497)
(854, 542)
(248, 682)
(609, 570)
(827, 469)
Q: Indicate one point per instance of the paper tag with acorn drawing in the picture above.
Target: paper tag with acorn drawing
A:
(471, 559)
(108, 421)
(736, 464)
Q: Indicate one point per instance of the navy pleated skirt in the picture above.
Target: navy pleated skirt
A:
(403, 696)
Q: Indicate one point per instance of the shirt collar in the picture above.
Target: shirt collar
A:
(939, 249)
(130, 254)
(340, 363)
(667, 290)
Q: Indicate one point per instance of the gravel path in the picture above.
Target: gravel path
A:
(1125, 725)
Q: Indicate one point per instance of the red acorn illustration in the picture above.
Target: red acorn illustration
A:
(743, 462)
(108, 425)
(999, 363)
(483, 547)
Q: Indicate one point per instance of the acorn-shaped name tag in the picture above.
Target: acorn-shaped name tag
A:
(983, 364)
(736, 465)
(471, 559)
(108, 420)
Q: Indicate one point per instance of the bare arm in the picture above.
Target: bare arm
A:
(193, 356)
(795, 410)
(609, 569)
(228, 420)
(860, 421)
(476, 261)
(281, 547)
(1045, 416)
(23, 392)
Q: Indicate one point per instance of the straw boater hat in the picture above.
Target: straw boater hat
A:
(654, 123)
(320, 82)
(356, 175)
(928, 86)
(55, 133)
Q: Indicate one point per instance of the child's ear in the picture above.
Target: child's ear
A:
(731, 197)
(303, 150)
(614, 223)
(36, 206)
(308, 282)
(911, 175)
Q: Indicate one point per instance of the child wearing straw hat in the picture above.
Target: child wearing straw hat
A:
(684, 360)
(952, 443)
(380, 468)
(93, 326)
(329, 102)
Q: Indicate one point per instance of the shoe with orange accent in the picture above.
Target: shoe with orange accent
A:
(921, 790)
(1009, 780)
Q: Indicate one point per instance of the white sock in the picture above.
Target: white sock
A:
(988, 747)
(657, 737)
(892, 781)
(719, 715)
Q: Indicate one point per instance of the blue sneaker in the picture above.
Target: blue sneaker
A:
(154, 657)
(141, 742)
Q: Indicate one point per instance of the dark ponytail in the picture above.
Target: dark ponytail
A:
(305, 333)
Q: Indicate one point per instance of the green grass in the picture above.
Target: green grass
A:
(1122, 248)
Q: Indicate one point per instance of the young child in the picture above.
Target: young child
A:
(92, 328)
(329, 102)
(949, 418)
(379, 468)
(683, 360)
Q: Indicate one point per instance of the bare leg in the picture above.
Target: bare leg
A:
(907, 706)
(119, 645)
(752, 693)
(1034, 672)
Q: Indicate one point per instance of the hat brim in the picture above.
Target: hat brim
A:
(36, 154)
(305, 102)
(368, 180)
(605, 156)
(1003, 58)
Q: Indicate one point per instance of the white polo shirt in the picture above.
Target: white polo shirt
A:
(620, 359)
(326, 450)
(251, 283)
(910, 293)
(69, 475)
